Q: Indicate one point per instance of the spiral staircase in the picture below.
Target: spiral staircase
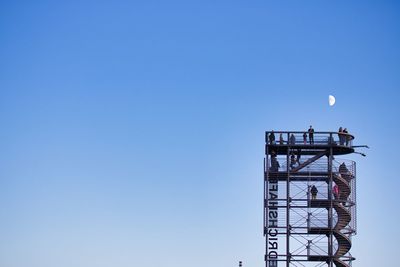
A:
(339, 231)
(344, 218)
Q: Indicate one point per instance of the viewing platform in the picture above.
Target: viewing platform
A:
(281, 142)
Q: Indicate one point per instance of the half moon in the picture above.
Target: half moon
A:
(332, 100)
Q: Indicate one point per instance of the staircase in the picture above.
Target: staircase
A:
(343, 219)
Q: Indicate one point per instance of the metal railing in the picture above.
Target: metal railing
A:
(305, 138)
(316, 166)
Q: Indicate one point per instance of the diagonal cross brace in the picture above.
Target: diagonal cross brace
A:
(310, 160)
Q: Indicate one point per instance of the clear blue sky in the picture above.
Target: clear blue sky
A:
(132, 133)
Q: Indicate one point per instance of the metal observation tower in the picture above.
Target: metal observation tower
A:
(309, 199)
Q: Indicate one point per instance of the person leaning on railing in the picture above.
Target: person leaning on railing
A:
(344, 137)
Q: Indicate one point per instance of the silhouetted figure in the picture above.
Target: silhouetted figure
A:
(346, 136)
(298, 156)
(271, 138)
(314, 192)
(343, 169)
(292, 161)
(292, 139)
(305, 138)
(274, 163)
(281, 139)
(341, 137)
(311, 135)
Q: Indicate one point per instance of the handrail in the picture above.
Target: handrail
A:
(302, 132)
(303, 138)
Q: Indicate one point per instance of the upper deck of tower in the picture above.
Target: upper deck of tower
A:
(282, 142)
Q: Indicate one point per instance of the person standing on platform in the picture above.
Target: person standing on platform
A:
(271, 138)
(305, 138)
(292, 161)
(281, 139)
(346, 136)
(311, 135)
(292, 139)
(314, 192)
(274, 163)
(340, 134)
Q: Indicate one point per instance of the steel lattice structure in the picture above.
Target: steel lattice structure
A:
(302, 227)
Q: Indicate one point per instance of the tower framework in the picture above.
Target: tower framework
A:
(309, 199)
